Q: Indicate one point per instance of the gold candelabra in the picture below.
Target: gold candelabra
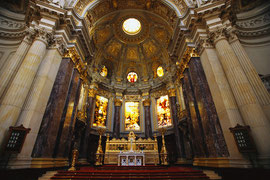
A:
(163, 151)
(75, 154)
(99, 153)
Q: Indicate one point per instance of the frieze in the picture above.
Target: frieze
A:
(256, 22)
(9, 24)
(159, 93)
(132, 97)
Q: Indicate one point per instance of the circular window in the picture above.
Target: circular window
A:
(132, 26)
(160, 71)
(132, 77)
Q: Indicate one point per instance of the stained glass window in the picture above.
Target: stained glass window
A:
(104, 71)
(163, 112)
(132, 116)
(132, 77)
(100, 112)
(160, 71)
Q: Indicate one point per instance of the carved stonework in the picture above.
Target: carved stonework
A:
(58, 43)
(217, 35)
(92, 93)
(118, 102)
(172, 92)
(30, 36)
(43, 35)
(147, 102)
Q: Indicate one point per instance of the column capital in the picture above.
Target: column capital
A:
(43, 35)
(118, 102)
(30, 36)
(147, 102)
(59, 44)
(92, 92)
(203, 43)
(217, 35)
(172, 92)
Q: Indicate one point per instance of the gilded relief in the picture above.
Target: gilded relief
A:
(114, 48)
(132, 53)
(102, 35)
(163, 112)
(132, 116)
(149, 49)
(161, 35)
(100, 112)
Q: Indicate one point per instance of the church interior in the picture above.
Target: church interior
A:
(138, 87)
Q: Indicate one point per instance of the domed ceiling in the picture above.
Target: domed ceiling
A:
(121, 51)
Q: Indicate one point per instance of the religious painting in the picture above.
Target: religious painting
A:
(163, 112)
(132, 77)
(132, 116)
(100, 112)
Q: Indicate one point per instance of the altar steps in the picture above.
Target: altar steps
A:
(157, 172)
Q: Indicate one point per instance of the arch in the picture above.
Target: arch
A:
(95, 2)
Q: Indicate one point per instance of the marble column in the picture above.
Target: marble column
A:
(255, 81)
(209, 118)
(116, 122)
(35, 104)
(11, 67)
(84, 147)
(226, 107)
(147, 118)
(63, 141)
(248, 104)
(47, 134)
(179, 146)
(18, 90)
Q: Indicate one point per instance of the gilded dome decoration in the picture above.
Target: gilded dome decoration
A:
(131, 26)
(132, 77)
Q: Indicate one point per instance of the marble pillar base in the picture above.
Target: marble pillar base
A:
(83, 161)
(183, 161)
(21, 162)
(222, 162)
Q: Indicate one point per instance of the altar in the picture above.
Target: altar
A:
(131, 159)
(131, 152)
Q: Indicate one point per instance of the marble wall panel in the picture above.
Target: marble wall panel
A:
(148, 127)
(210, 122)
(45, 143)
(194, 119)
(116, 125)
(84, 145)
(66, 128)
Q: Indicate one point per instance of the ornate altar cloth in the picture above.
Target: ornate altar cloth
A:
(145, 149)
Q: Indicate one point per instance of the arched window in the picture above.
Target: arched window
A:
(104, 71)
(163, 112)
(132, 116)
(160, 71)
(100, 112)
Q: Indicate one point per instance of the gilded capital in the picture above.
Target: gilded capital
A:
(117, 102)
(147, 102)
(172, 92)
(92, 92)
